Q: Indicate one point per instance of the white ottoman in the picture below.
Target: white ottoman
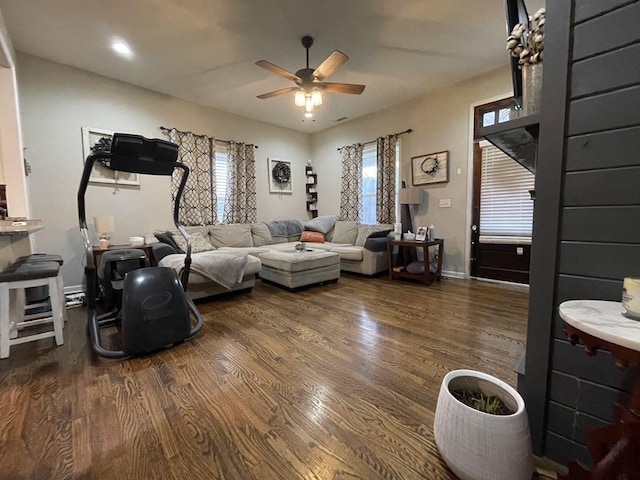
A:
(299, 269)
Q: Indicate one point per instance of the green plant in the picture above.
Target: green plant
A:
(480, 401)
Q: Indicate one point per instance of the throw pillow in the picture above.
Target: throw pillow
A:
(312, 237)
(321, 224)
(167, 237)
(345, 232)
(198, 243)
(364, 231)
(379, 234)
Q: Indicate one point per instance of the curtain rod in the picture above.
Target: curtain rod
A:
(408, 130)
(165, 129)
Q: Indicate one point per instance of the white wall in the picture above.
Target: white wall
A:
(440, 121)
(57, 100)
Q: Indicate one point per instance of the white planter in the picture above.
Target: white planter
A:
(477, 445)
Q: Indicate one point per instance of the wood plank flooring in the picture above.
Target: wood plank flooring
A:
(333, 382)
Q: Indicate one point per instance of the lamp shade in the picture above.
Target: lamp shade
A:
(104, 224)
(410, 196)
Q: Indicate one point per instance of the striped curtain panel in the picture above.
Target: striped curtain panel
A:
(386, 179)
(198, 204)
(240, 204)
(351, 191)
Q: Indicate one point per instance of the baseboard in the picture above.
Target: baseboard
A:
(502, 282)
(452, 274)
(71, 289)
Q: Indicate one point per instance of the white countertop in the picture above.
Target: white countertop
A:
(23, 227)
(603, 320)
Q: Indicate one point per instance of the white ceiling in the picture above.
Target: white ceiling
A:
(204, 50)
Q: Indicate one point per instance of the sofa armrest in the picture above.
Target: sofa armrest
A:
(161, 250)
(378, 244)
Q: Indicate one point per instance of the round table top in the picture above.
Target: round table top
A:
(602, 320)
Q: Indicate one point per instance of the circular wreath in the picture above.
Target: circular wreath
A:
(430, 165)
(281, 172)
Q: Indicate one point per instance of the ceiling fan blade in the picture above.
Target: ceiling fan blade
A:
(278, 70)
(275, 93)
(342, 88)
(330, 65)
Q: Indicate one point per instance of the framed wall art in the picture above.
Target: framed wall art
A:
(280, 176)
(94, 140)
(430, 168)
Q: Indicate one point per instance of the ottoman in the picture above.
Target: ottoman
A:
(299, 269)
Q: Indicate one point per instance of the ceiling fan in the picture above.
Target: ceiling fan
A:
(309, 82)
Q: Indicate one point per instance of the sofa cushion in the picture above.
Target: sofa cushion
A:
(313, 237)
(345, 232)
(231, 235)
(365, 230)
(167, 237)
(260, 234)
(321, 224)
(349, 253)
(199, 243)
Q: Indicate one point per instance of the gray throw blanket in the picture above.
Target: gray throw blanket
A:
(225, 268)
(284, 228)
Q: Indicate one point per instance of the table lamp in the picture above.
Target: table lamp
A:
(406, 198)
(104, 226)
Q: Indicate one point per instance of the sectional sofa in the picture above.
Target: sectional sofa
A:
(362, 248)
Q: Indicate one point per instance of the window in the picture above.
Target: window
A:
(370, 181)
(506, 208)
(221, 170)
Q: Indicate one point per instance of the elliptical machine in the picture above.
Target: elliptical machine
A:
(156, 311)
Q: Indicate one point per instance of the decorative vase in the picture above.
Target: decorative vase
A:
(478, 445)
(531, 88)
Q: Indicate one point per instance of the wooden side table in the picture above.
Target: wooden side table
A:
(615, 448)
(399, 271)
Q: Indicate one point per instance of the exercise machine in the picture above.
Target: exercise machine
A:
(155, 311)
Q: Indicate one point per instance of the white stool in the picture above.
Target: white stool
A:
(23, 275)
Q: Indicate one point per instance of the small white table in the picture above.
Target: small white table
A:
(614, 448)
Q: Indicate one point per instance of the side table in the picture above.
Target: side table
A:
(615, 448)
(399, 271)
(97, 252)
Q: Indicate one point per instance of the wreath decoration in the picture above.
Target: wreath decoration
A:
(430, 165)
(281, 172)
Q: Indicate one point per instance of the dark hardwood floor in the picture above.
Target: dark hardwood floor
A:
(333, 382)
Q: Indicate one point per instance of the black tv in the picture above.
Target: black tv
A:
(516, 13)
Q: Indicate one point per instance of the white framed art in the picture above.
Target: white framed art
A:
(279, 176)
(96, 139)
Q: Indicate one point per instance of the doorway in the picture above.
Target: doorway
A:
(502, 208)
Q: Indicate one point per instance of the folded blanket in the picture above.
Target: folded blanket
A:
(225, 268)
(284, 228)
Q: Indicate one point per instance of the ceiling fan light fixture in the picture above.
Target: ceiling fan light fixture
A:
(308, 104)
(308, 114)
(299, 98)
(316, 98)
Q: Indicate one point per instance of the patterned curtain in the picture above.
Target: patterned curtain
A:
(351, 192)
(386, 177)
(240, 205)
(199, 201)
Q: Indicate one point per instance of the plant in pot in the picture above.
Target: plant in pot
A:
(526, 43)
(481, 428)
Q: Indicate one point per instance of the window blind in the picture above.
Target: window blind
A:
(369, 183)
(506, 208)
(221, 170)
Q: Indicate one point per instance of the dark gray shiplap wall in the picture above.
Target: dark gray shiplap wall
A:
(598, 234)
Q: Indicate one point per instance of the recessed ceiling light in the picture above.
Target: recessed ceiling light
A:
(121, 48)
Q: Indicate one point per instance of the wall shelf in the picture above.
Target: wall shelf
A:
(312, 191)
(517, 138)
